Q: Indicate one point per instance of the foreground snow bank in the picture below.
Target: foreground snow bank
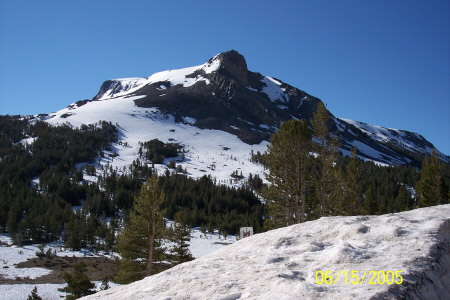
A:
(282, 263)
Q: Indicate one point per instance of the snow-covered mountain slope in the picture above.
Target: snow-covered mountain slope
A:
(386, 135)
(212, 152)
(230, 107)
(125, 86)
(393, 146)
(282, 263)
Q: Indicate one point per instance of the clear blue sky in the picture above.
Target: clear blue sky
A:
(380, 62)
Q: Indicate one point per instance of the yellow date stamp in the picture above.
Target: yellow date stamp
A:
(359, 277)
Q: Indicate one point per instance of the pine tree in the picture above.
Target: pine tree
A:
(352, 187)
(105, 284)
(327, 175)
(370, 205)
(140, 243)
(13, 219)
(339, 200)
(34, 295)
(429, 186)
(110, 237)
(73, 233)
(319, 123)
(78, 284)
(181, 237)
(402, 201)
(288, 158)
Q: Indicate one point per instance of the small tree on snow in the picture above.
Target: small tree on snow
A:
(181, 237)
(78, 284)
(34, 295)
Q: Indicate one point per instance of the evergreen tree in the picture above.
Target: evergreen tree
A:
(288, 158)
(352, 187)
(402, 201)
(110, 237)
(140, 243)
(73, 233)
(429, 186)
(34, 295)
(370, 205)
(339, 201)
(13, 219)
(78, 284)
(181, 237)
(328, 179)
(105, 284)
(319, 123)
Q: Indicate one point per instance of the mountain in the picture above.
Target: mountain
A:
(282, 263)
(228, 107)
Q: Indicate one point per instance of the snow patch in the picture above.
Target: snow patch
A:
(367, 149)
(189, 120)
(273, 89)
(203, 244)
(212, 66)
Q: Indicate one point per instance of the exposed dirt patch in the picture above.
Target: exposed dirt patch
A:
(98, 268)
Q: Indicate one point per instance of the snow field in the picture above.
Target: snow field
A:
(126, 86)
(273, 89)
(47, 291)
(282, 263)
(206, 149)
(203, 244)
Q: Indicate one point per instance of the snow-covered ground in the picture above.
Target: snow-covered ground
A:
(11, 255)
(46, 291)
(213, 152)
(282, 263)
(200, 245)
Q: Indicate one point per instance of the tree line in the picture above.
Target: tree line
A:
(44, 197)
(309, 178)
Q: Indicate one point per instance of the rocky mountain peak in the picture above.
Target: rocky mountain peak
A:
(222, 94)
(232, 63)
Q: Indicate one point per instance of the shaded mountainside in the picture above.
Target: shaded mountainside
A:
(282, 263)
(223, 94)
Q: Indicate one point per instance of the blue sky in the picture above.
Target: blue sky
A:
(380, 62)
